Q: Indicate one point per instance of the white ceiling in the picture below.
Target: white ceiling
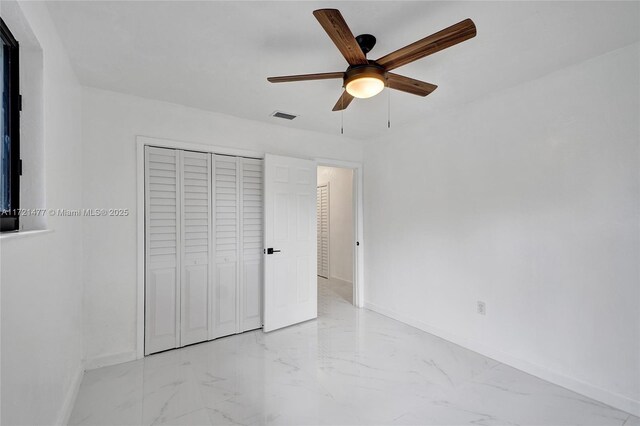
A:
(216, 55)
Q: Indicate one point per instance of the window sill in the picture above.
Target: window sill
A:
(23, 234)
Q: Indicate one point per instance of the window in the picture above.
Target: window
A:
(10, 167)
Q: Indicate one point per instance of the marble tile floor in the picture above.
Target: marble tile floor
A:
(349, 367)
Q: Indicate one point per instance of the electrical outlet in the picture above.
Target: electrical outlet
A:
(482, 308)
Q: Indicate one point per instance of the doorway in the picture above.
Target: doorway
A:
(336, 231)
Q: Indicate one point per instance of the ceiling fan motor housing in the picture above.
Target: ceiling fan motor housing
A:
(359, 71)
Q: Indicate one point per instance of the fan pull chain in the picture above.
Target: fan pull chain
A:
(388, 107)
(342, 115)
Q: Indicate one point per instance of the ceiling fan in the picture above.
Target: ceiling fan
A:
(365, 78)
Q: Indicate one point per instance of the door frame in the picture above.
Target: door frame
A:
(142, 141)
(358, 224)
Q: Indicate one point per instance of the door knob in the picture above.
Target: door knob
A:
(270, 250)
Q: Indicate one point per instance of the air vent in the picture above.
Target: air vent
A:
(284, 115)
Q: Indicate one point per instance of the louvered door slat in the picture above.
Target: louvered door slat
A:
(323, 230)
(162, 234)
(196, 236)
(251, 239)
(225, 245)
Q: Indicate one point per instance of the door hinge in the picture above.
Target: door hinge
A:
(20, 167)
(19, 102)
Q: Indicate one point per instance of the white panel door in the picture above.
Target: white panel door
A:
(196, 236)
(290, 227)
(323, 230)
(162, 234)
(226, 237)
(251, 230)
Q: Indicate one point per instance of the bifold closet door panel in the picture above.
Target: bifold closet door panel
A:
(195, 246)
(323, 230)
(252, 228)
(162, 234)
(226, 211)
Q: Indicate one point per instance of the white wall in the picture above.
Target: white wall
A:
(111, 122)
(340, 182)
(41, 286)
(529, 201)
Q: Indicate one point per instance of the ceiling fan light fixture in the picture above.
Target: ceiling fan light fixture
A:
(365, 81)
(365, 87)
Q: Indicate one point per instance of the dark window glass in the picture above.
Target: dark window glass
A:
(9, 132)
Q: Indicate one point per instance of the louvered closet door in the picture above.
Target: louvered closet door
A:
(323, 230)
(195, 243)
(251, 210)
(226, 238)
(162, 233)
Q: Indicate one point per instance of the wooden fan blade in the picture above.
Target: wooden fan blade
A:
(409, 85)
(343, 102)
(305, 77)
(338, 30)
(448, 37)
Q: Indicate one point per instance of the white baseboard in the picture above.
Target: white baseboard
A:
(70, 397)
(613, 399)
(341, 280)
(107, 360)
